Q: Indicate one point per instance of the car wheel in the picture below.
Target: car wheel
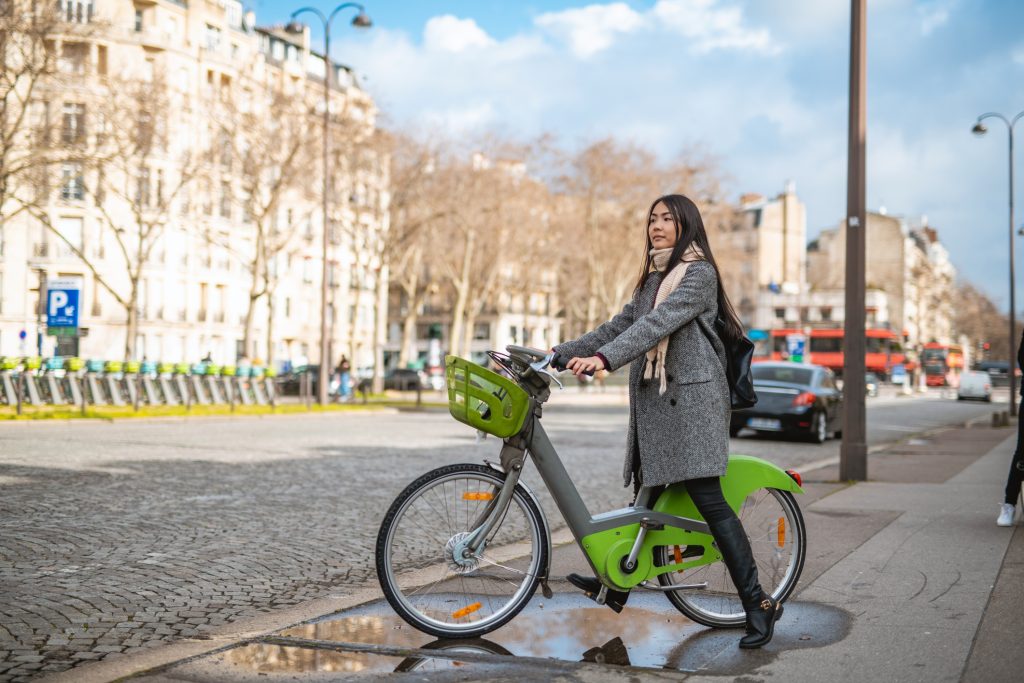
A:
(819, 428)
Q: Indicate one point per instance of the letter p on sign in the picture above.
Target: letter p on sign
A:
(58, 300)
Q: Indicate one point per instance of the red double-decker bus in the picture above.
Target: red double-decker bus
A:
(883, 349)
(942, 364)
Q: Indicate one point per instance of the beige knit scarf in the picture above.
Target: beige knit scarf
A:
(656, 356)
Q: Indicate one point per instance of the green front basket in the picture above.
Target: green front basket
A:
(483, 399)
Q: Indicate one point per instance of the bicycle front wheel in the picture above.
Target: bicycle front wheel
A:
(451, 597)
(778, 539)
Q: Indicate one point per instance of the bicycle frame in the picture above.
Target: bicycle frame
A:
(619, 544)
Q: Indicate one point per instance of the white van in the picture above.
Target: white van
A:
(975, 384)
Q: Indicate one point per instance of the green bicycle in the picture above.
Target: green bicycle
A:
(463, 548)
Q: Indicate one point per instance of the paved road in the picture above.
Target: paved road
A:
(115, 537)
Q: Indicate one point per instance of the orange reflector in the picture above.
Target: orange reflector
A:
(477, 495)
(679, 554)
(468, 609)
(782, 531)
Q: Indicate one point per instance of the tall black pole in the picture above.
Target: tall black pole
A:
(1011, 366)
(322, 384)
(363, 21)
(853, 464)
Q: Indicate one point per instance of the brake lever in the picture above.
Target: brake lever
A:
(540, 367)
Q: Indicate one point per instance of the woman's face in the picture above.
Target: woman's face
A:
(661, 229)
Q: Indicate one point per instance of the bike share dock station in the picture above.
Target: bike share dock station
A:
(58, 381)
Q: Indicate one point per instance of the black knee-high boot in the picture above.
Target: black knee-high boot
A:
(762, 611)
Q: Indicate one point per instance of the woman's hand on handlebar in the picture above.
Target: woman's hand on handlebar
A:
(585, 366)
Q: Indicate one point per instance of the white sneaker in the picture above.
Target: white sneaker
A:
(1005, 515)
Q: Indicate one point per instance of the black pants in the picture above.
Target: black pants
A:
(707, 496)
(1016, 476)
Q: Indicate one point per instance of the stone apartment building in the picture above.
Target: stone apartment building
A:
(908, 264)
(778, 281)
(193, 295)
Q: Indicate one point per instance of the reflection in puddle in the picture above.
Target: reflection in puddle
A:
(276, 659)
(564, 628)
(648, 633)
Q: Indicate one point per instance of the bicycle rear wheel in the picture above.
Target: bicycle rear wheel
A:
(778, 539)
(434, 591)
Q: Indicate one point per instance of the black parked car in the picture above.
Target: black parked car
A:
(290, 383)
(399, 379)
(793, 398)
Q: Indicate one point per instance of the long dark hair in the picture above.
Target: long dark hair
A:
(689, 230)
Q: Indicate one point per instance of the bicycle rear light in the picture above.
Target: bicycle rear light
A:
(796, 477)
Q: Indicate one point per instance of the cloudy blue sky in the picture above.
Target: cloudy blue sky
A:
(760, 84)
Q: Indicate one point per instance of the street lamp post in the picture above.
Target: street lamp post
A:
(361, 20)
(981, 129)
(853, 454)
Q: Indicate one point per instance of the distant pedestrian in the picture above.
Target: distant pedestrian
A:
(344, 371)
(1016, 477)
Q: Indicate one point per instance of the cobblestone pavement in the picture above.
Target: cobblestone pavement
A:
(118, 537)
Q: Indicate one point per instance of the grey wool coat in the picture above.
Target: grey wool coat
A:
(683, 433)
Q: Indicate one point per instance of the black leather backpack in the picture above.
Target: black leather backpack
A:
(738, 355)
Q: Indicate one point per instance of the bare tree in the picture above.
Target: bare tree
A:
(604, 195)
(980, 320)
(265, 146)
(133, 181)
(30, 63)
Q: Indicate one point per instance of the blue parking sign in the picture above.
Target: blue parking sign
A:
(62, 302)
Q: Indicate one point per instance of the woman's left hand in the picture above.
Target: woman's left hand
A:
(588, 365)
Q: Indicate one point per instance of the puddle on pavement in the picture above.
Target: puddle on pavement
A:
(649, 633)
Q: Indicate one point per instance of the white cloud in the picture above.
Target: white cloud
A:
(711, 27)
(705, 24)
(591, 29)
(448, 33)
(934, 15)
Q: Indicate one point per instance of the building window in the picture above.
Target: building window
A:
(73, 58)
(74, 123)
(780, 313)
(72, 185)
(212, 38)
(142, 188)
(482, 331)
(138, 21)
(77, 11)
(225, 199)
(826, 313)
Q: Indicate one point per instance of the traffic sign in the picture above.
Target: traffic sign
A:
(62, 301)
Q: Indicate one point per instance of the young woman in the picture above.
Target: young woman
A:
(1016, 476)
(678, 392)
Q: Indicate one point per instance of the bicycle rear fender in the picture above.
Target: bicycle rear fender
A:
(743, 475)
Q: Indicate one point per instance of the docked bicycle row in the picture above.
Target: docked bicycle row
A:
(74, 381)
